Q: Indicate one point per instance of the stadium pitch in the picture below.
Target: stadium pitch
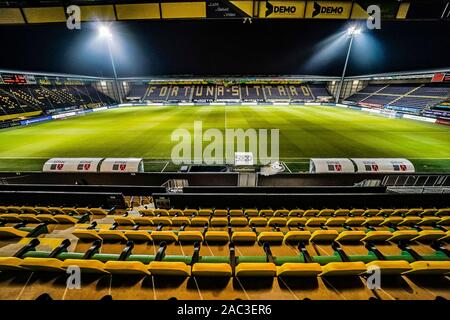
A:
(305, 132)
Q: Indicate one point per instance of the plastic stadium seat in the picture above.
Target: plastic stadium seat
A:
(112, 235)
(311, 213)
(85, 265)
(65, 219)
(324, 235)
(10, 217)
(357, 212)
(443, 212)
(410, 221)
(243, 236)
(293, 222)
(143, 221)
(219, 221)
(315, 222)
(42, 264)
(385, 212)
(299, 270)
(236, 213)
(341, 212)
(199, 221)
(403, 235)
(239, 221)
(392, 221)
(173, 212)
(190, 212)
(166, 268)
(429, 221)
(296, 213)
(325, 213)
(444, 221)
(29, 217)
(179, 221)
(266, 213)
(127, 268)
(86, 234)
(429, 268)
(10, 232)
(245, 269)
(162, 212)
(220, 213)
(124, 221)
(205, 212)
(373, 221)
(277, 221)
(414, 212)
(251, 212)
(281, 212)
(270, 236)
(355, 221)
(429, 235)
(166, 221)
(257, 221)
(137, 235)
(390, 267)
(211, 270)
(429, 212)
(399, 212)
(333, 269)
(347, 236)
(339, 221)
(147, 212)
(189, 236)
(168, 236)
(377, 236)
(297, 236)
(217, 236)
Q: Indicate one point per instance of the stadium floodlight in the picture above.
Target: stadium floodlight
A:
(351, 32)
(105, 32)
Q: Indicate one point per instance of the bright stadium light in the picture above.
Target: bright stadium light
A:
(352, 32)
(105, 32)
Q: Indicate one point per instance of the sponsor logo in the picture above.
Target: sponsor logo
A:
(318, 9)
(122, 166)
(59, 166)
(270, 8)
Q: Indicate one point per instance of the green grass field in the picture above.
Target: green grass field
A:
(305, 132)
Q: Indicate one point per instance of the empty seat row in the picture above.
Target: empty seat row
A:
(52, 210)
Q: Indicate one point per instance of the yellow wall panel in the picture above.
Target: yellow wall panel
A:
(97, 13)
(10, 15)
(281, 9)
(43, 15)
(358, 12)
(403, 10)
(328, 10)
(171, 10)
(137, 11)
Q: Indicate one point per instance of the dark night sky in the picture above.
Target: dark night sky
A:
(219, 47)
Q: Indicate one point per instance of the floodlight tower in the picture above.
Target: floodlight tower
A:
(351, 32)
(105, 33)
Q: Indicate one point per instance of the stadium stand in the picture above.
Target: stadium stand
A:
(30, 100)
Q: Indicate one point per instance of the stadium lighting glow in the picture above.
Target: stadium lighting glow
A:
(104, 32)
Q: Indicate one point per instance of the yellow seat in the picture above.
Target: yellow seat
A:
(258, 222)
(147, 212)
(42, 264)
(266, 269)
(143, 221)
(445, 221)
(277, 221)
(341, 212)
(14, 209)
(65, 219)
(403, 235)
(219, 221)
(127, 268)
(429, 212)
(384, 212)
(85, 265)
(211, 270)
(86, 234)
(199, 221)
(243, 236)
(99, 211)
(179, 221)
(10, 232)
(124, 221)
(166, 268)
(220, 213)
(297, 236)
(296, 213)
(270, 236)
(236, 213)
(357, 212)
(429, 268)
(251, 212)
(42, 210)
(10, 264)
(55, 210)
(281, 213)
(190, 212)
(446, 238)
(333, 269)
(392, 221)
(161, 212)
(217, 236)
(173, 212)
(373, 221)
(299, 270)
(399, 212)
(28, 209)
(294, 222)
(443, 212)
(414, 212)
(335, 221)
(325, 213)
(389, 267)
(168, 236)
(11, 217)
(112, 235)
(49, 218)
(429, 221)
(348, 236)
(205, 212)
(187, 236)
(429, 235)
(238, 222)
(69, 210)
(324, 235)
(311, 213)
(29, 217)
(355, 221)
(164, 220)
(315, 222)
(137, 235)
(410, 221)
(377, 236)
(266, 212)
